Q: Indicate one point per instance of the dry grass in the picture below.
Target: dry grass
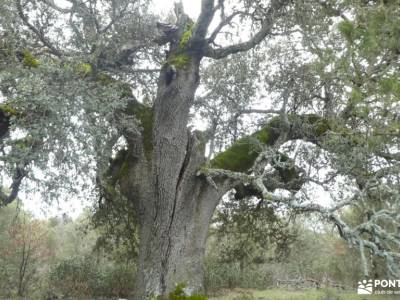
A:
(275, 294)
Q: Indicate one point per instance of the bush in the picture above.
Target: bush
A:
(179, 294)
(219, 275)
(85, 277)
(229, 275)
(118, 280)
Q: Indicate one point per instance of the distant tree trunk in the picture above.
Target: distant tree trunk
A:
(25, 260)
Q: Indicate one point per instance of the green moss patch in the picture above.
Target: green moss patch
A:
(179, 61)
(347, 29)
(8, 109)
(186, 36)
(179, 294)
(146, 117)
(241, 155)
(29, 60)
(83, 69)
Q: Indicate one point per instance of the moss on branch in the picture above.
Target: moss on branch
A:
(186, 35)
(83, 69)
(29, 60)
(145, 115)
(179, 60)
(241, 155)
(8, 109)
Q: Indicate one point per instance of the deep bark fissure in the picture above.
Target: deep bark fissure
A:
(178, 204)
(161, 223)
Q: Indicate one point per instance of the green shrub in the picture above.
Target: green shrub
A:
(83, 277)
(118, 280)
(220, 275)
(179, 294)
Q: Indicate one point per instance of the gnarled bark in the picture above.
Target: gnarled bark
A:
(173, 205)
(173, 219)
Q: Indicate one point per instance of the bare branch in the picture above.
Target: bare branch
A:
(204, 20)
(38, 33)
(56, 7)
(264, 31)
(145, 70)
(354, 236)
(333, 11)
(115, 19)
(226, 21)
(15, 186)
(4, 124)
(258, 111)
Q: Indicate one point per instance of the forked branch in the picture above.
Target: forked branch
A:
(267, 25)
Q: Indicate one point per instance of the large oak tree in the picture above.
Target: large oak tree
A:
(105, 79)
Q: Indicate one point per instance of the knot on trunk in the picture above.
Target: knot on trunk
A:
(167, 33)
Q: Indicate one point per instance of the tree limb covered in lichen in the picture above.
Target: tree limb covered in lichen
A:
(383, 245)
(239, 163)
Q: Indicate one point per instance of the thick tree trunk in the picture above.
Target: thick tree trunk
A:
(174, 205)
(177, 206)
(172, 252)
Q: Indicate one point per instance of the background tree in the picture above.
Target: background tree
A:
(24, 249)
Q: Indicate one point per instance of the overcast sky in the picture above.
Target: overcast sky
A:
(192, 7)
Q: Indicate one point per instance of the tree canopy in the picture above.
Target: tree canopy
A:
(309, 102)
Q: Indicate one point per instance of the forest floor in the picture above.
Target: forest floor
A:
(276, 294)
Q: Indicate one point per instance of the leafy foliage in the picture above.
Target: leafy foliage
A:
(180, 294)
(66, 97)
